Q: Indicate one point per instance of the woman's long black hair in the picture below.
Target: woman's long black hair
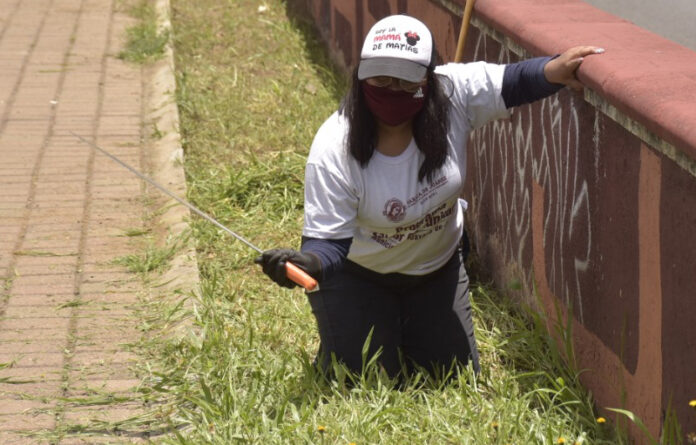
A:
(430, 125)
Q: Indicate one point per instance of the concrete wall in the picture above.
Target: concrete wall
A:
(588, 198)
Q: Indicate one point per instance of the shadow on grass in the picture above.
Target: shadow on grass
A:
(332, 75)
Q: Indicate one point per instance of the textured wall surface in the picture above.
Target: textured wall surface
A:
(588, 198)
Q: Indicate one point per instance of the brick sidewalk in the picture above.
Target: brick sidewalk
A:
(65, 310)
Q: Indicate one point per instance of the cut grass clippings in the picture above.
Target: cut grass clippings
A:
(42, 253)
(136, 231)
(253, 86)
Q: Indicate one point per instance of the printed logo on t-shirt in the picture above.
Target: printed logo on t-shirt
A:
(431, 222)
(394, 210)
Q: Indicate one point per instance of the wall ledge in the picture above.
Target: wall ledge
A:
(644, 82)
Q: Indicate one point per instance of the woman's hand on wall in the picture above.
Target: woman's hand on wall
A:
(562, 69)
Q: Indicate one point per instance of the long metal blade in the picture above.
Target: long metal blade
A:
(152, 182)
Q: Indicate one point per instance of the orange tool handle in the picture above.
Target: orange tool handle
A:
(300, 277)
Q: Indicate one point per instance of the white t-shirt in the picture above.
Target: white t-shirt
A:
(397, 223)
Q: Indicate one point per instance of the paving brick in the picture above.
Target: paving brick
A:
(35, 312)
(7, 247)
(20, 191)
(55, 187)
(59, 243)
(111, 325)
(31, 265)
(17, 438)
(11, 406)
(77, 373)
(9, 236)
(10, 213)
(120, 298)
(58, 203)
(108, 311)
(57, 213)
(30, 346)
(89, 268)
(55, 268)
(11, 206)
(57, 219)
(51, 249)
(21, 171)
(26, 286)
(40, 299)
(34, 390)
(110, 277)
(84, 415)
(10, 198)
(33, 374)
(102, 256)
(98, 332)
(111, 385)
(53, 227)
(65, 246)
(5, 261)
(102, 359)
(30, 326)
(52, 235)
(25, 422)
(117, 287)
(33, 359)
(63, 197)
(46, 279)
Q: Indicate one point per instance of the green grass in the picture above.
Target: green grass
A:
(136, 231)
(73, 303)
(153, 258)
(253, 87)
(144, 42)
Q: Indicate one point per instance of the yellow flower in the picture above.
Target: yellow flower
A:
(321, 429)
(692, 404)
(560, 440)
(601, 420)
(495, 425)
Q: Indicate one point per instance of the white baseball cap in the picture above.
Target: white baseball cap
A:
(397, 46)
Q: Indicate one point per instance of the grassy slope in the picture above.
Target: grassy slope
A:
(253, 87)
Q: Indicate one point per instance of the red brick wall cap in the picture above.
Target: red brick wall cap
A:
(647, 77)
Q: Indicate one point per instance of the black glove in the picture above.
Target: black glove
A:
(273, 263)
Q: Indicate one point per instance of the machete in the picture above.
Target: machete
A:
(294, 273)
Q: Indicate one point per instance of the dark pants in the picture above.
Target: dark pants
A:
(426, 320)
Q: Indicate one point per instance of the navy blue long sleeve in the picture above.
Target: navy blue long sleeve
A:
(331, 252)
(524, 82)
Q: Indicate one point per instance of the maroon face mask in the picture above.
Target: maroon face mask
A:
(393, 107)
